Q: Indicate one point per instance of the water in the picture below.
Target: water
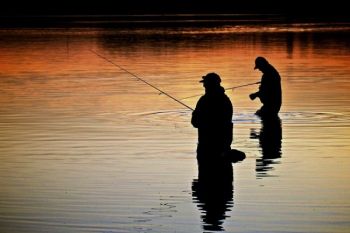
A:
(86, 147)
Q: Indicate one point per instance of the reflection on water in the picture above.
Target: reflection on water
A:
(270, 142)
(214, 200)
(213, 194)
(86, 147)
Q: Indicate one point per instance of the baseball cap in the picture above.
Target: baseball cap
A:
(211, 78)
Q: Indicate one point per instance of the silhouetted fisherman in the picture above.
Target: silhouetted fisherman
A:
(213, 118)
(270, 92)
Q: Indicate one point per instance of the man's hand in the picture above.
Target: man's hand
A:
(253, 96)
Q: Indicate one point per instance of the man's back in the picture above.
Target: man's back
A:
(270, 89)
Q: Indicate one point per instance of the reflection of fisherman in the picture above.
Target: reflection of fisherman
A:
(270, 93)
(213, 118)
(270, 141)
(214, 200)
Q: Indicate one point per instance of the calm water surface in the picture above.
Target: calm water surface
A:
(86, 147)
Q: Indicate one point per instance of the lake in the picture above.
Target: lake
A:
(85, 146)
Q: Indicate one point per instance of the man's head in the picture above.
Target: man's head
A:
(211, 79)
(260, 62)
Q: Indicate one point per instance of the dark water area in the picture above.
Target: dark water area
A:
(162, 20)
(131, 21)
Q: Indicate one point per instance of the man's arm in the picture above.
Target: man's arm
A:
(194, 119)
(196, 113)
(254, 95)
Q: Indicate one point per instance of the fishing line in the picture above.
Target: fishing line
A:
(142, 80)
(225, 89)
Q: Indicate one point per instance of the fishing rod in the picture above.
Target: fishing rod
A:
(225, 89)
(142, 80)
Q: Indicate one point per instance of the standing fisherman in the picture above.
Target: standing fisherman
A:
(270, 93)
(213, 118)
